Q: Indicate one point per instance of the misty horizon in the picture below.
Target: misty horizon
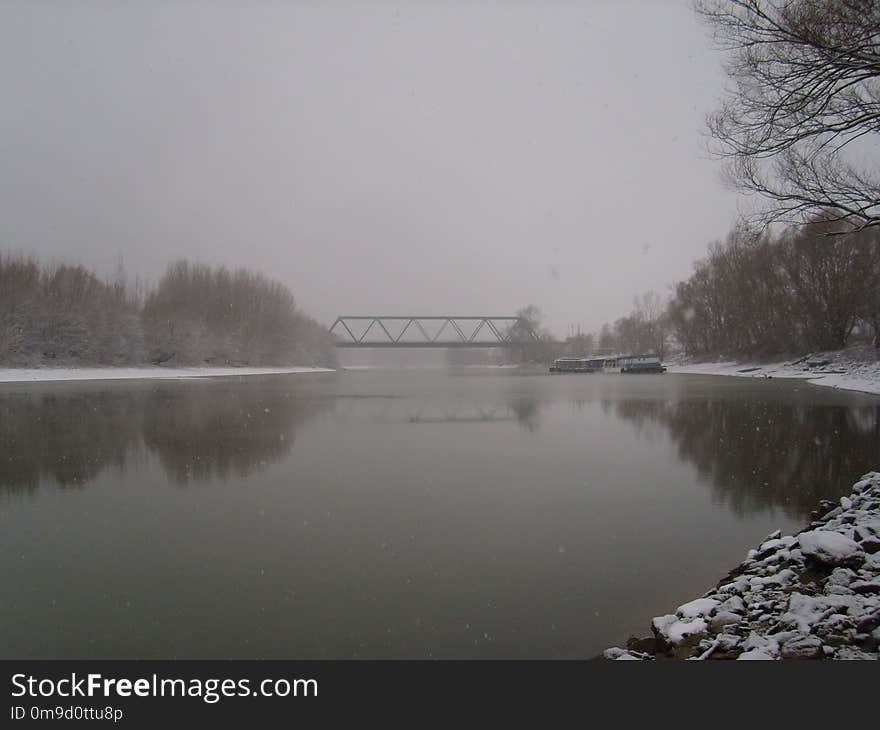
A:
(402, 331)
(382, 159)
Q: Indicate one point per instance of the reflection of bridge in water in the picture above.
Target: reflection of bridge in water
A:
(432, 331)
(394, 409)
(462, 414)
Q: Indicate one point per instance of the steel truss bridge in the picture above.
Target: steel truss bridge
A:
(430, 331)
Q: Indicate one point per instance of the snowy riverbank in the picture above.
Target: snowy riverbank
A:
(27, 375)
(814, 595)
(851, 369)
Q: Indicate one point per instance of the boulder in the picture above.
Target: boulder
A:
(869, 623)
(802, 647)
(754, 655)
(734, 604)
(866, 587)
(831, 548)
(673, 633)
(722, 619)
(697, 608)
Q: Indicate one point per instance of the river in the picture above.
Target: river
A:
(396, 513)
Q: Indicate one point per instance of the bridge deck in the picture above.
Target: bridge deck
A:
(415, 343)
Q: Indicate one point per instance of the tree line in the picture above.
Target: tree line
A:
(759, 293)
(796, 126)
(65, 315)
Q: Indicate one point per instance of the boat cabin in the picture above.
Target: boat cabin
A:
(641, 364)
(578, 365)
(610, 364)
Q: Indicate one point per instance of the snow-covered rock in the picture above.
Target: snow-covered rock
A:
(733, 604)
(755, 654)
(697, 608)
(830, 547)
(615, 653)
(724, 618)
(675, 632)
(802, 647)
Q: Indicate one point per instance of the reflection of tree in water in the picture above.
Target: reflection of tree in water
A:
(229, 432)
(527, 412)
(68, 438)
(760, 454)
(198, 431)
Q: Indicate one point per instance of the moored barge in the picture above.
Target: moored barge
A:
(623, 364)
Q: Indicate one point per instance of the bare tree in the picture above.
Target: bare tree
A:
(607, 342)
(533, 343)
(871, 307)
(760, 295)
(830, 282)
(198, 314)
(650, 308)
(806, 90)
(579, 344)
(66, 315)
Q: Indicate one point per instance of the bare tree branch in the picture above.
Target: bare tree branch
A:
(805, 95)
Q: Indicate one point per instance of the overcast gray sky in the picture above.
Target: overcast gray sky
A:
(377, 157)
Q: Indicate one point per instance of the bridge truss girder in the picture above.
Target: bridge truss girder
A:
(497, 329)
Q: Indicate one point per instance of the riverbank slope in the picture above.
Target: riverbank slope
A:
(814, 595)
(855, 368)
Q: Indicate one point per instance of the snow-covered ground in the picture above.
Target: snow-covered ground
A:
(429, 367)
(846, 369)
(814, 595)
(25, 375)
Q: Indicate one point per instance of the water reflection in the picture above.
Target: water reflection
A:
(417, 515)
(198, 438)
(774, 449)
(66, 437)
(198, 431)
(766, 453)
(520, 408)
(527, 411)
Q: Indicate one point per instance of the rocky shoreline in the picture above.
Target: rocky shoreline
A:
(814, 595)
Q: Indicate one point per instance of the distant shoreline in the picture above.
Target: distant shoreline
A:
(829, 369)
(49, 375)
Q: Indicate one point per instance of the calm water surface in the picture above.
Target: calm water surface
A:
(396, 513)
